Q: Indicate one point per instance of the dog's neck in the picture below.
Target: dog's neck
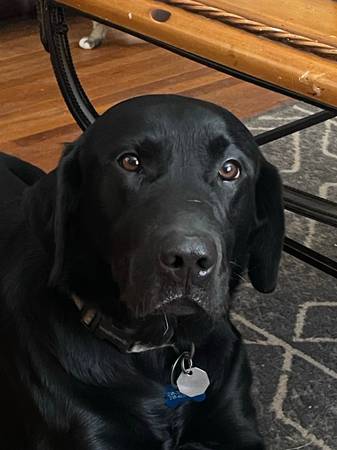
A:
(103, 327)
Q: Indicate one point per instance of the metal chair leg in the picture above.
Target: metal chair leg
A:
(53, 30)
(311, 257)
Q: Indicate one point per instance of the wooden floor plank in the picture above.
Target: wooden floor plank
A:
(34, 121)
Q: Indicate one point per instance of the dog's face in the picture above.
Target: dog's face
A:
(176, 199)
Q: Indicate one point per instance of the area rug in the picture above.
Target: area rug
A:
(291, 335)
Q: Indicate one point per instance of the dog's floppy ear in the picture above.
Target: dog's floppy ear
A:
(267, 239)
(50, 206)
(66, 205)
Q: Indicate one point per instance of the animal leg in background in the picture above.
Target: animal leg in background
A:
(99, 32)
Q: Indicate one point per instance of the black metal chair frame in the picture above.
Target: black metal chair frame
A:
(53, 30)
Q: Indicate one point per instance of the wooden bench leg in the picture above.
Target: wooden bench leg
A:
(53, 31)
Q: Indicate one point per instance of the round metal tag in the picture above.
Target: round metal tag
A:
(194, 382)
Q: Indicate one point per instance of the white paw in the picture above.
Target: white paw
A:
(86, 43)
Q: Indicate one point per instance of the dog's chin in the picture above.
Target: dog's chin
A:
(180, 322)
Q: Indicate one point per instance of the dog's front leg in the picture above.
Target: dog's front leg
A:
(226, 419)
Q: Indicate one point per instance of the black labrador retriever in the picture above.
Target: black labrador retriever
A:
(116, 274)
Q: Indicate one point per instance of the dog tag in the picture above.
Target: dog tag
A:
(193, 382)
(174, 398)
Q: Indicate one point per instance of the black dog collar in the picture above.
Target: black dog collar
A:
(190, 385)
(104, 328)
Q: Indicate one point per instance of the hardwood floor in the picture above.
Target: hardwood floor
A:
(34, 121)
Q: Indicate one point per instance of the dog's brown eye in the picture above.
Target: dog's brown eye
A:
(130, 163)
(230, 171)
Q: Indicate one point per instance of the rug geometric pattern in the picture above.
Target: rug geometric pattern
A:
(291, 334)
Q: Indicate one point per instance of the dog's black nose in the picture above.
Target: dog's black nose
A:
(181, 255)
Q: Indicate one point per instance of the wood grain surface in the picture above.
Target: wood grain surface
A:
(280, 63)
(34, 121)
(316, 19)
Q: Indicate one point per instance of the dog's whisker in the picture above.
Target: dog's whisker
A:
(240, 276)
(166, 323)
(233, 263)
(194, 201)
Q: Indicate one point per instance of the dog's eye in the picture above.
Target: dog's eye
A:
(130, 162)
(230, 170)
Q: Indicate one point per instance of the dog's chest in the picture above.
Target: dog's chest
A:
(151, 411)
(134, 411)
(137, 419)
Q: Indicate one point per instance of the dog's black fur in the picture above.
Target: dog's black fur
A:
(94, 229)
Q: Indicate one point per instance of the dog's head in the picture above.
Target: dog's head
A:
(170, 199)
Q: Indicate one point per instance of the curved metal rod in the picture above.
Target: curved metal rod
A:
(293, 127)
(311, 206)
(54, 38)
(311, 257)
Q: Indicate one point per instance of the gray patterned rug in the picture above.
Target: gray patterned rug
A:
(292, 333)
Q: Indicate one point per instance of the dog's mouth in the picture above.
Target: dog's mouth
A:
(162, 313)
(179, 319)
(180, 305)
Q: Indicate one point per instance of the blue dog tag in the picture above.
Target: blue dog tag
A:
(174, 398)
